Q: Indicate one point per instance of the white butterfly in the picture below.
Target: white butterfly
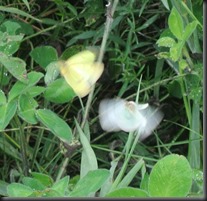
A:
(118, 114)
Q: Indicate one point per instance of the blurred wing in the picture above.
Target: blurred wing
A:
(107, 116)
(85, 56)
(154, 116)
(81, 76)
(118, 114)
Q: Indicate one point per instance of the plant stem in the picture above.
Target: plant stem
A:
(123, 169)
(62, 169)
(110, 12)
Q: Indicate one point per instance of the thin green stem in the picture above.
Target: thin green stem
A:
(46, 30)
(110, 11)
(62, 169)
(22, 142)
(124, 167)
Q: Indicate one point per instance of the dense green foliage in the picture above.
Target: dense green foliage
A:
(51, 141)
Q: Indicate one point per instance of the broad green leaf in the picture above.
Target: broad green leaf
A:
(56, 125)
(52, 72)
(26, 108)
(16, 66)
(90, 183)
(176, 51)
(11, 27)
(59, 91)
(18, 190)
(44, 55)
(10, 40)
(7, 112)
(166, 42)
(20, 88)
(44, 179)
(170, 177)
(189, 29)
(175, 23)
(36, 90)
(25, 29)
(88, 157)
(128, 192)
(61, 186)
(33, 183)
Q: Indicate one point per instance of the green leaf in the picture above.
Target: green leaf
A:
(9, 149)
(27, 4)
(144, 182)
(20, 88)
(7, 112)
(33, 183)
(166, 42)
(84, 35)
(36, 90)
(50, 193)
(90, 183)
(106, 187)
(174, 89)
(52, 71)
(18, 190)
(170, 177)
(10, 40)
(16, 66)
(27, 107)
(18, 12)
(131, 174)
(3, 188)
(88, 157)
(176, 51)
(61, 186)
(43, 178)
(128, 192)
(44, 55)
(56, 125)
(59, 91)
(71, 8)
(2, 98)
(175, 23)
(189, 29)
(165, 3)
(11, 27)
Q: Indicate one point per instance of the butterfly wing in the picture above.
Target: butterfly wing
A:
(85, 56)
(81, 76)
(153, 116)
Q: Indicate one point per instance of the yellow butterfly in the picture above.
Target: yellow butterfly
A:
(81, 71)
